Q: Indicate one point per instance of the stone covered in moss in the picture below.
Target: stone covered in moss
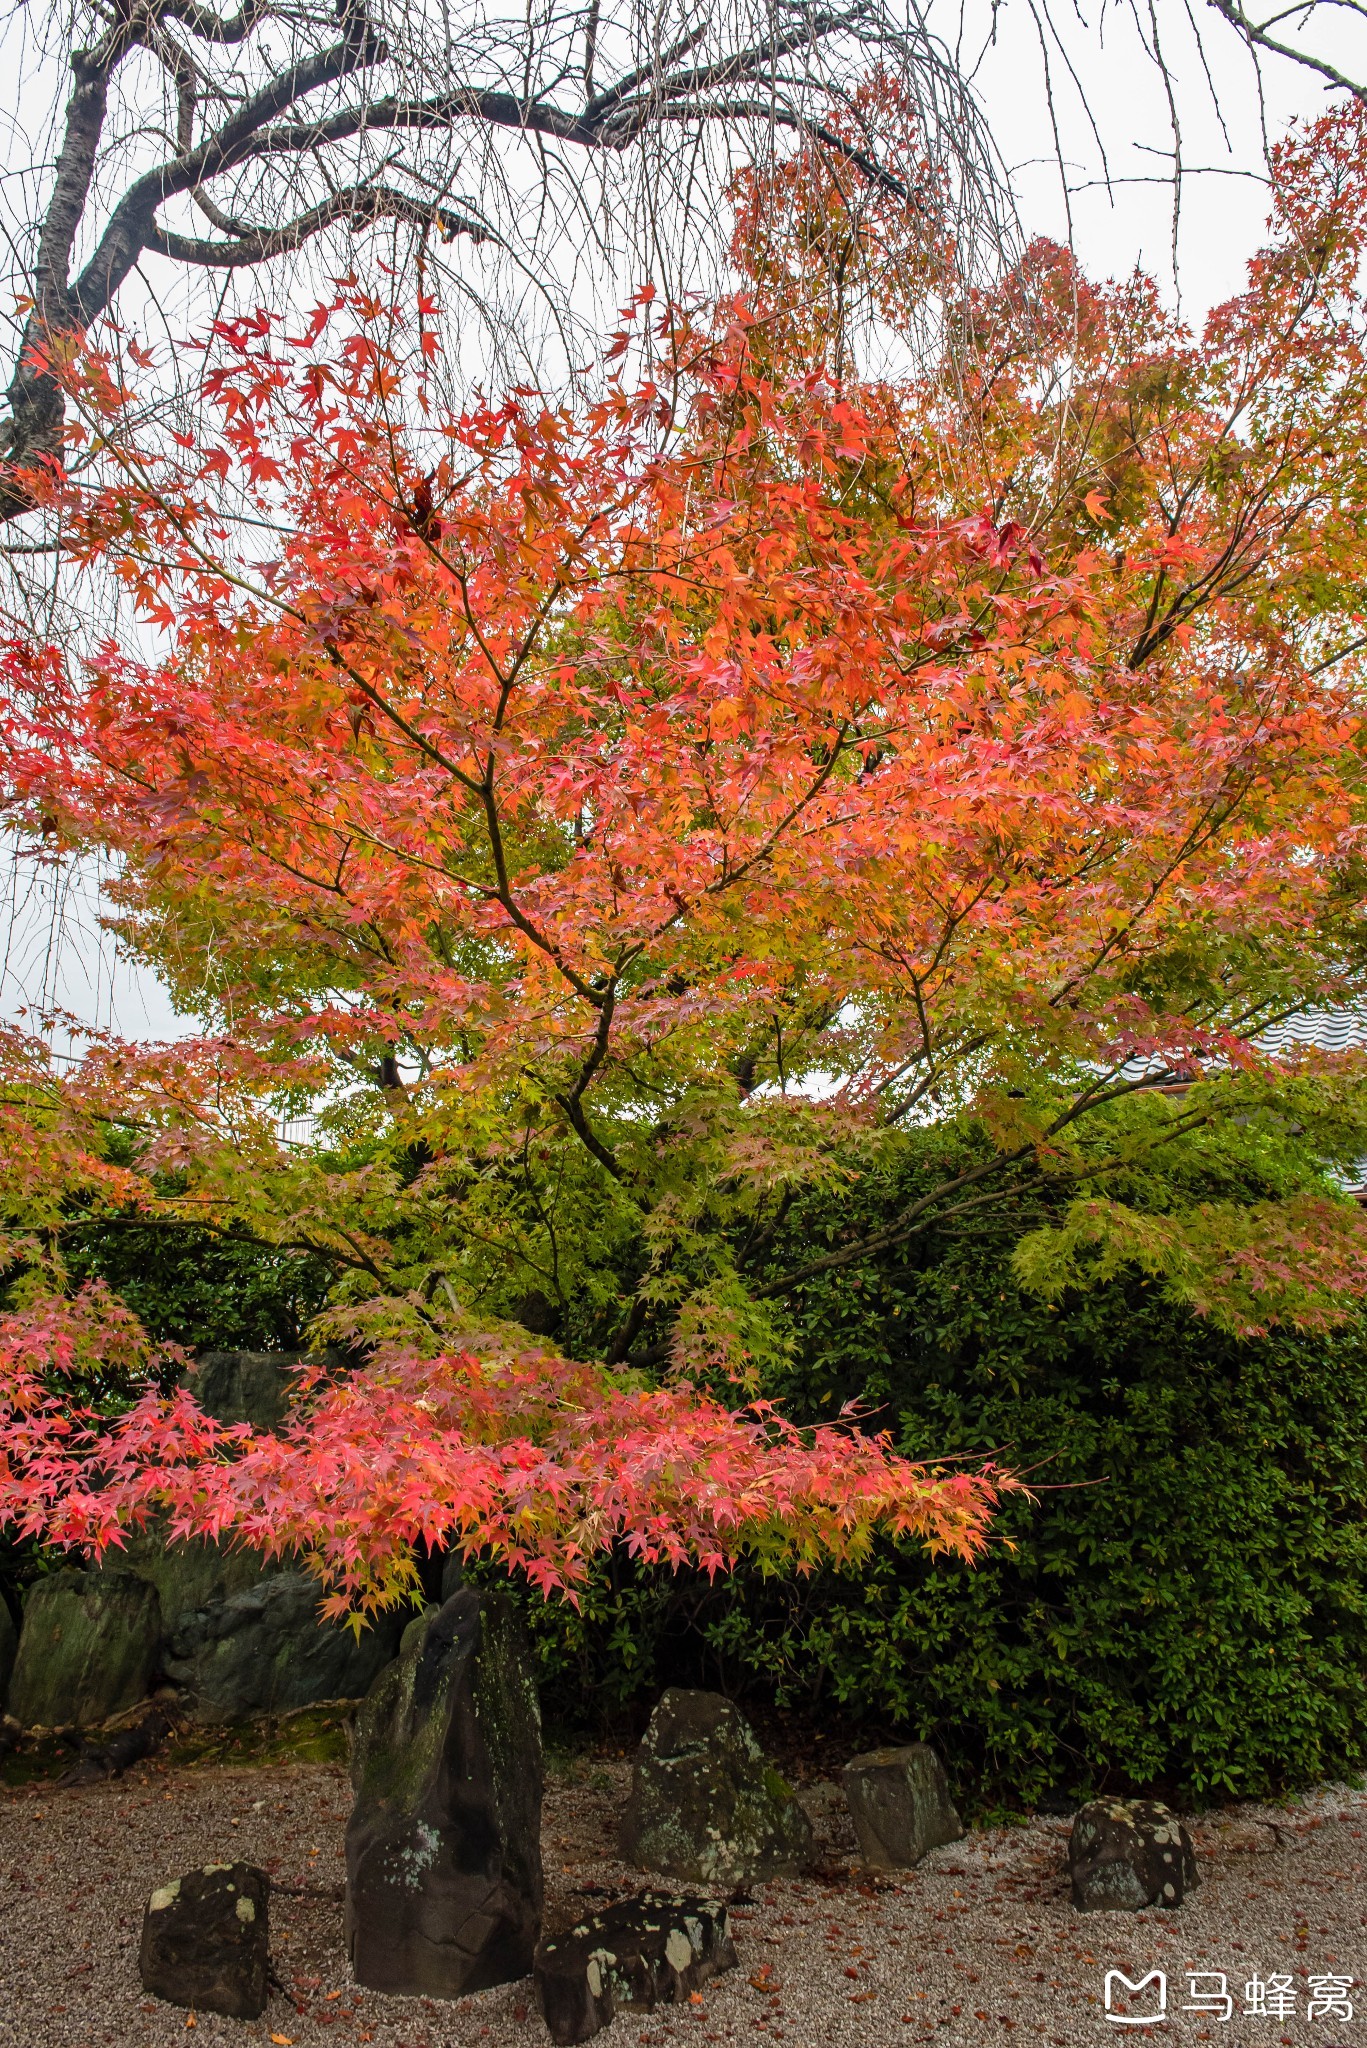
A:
(9, 1644)
(245, 1386)
(1128, 1854)
(443, 1847)
(265, 1650)
(87, 1649)
(191, 1575)
(705, 1804)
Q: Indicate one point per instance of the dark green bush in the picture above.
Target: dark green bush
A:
(1183, 1605)
(201, 1289)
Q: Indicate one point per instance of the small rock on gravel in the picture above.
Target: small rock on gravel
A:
(1126, 1854)
(706, 1806)
(206, 1940)
(653, 1949)
(900, 1805)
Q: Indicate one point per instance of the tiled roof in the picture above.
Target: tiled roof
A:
(1336, 1030)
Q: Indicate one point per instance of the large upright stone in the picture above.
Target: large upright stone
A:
(900, 1805)
(705, 1804)
(444, 1844)
(264, 1650)
(87, 1648)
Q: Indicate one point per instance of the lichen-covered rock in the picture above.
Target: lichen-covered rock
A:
(443, 1847)
(265, 1650)
(706, 1807)
(900, 1804)
(653, 1949)
(1128, 1854)
(206, 1940)
(87, 1648)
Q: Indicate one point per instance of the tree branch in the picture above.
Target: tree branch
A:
(1234, 14)
(360, 206)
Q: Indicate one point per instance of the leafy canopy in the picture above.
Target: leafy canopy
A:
(616, 821)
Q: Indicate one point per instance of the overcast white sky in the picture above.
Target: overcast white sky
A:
(51, 947)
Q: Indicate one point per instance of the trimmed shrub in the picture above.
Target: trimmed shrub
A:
(1182, 1606)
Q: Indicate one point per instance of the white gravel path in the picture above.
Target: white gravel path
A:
(978, 1945)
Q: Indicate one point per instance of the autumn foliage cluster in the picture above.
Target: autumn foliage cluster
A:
(613, 820)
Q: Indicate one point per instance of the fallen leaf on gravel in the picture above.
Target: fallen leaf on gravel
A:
(283, 2040)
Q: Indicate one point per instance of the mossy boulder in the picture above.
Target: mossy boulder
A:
(191, 1576)
(444, 1884)
(265, 1650)
(88, 1648)
(706, 1806)
(900, 1805)
(245, 1386)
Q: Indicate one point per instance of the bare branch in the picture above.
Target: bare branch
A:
(1257, 36)
(359, 207)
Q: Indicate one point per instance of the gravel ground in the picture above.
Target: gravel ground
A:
(979, 1944)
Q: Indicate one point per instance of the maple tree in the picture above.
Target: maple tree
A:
(617, 823)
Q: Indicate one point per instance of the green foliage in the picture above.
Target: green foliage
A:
(201, 1289)
(1183, 1604)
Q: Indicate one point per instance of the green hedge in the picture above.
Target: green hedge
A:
(1185, 1604)
(1182, 1606)
(201, 1289)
